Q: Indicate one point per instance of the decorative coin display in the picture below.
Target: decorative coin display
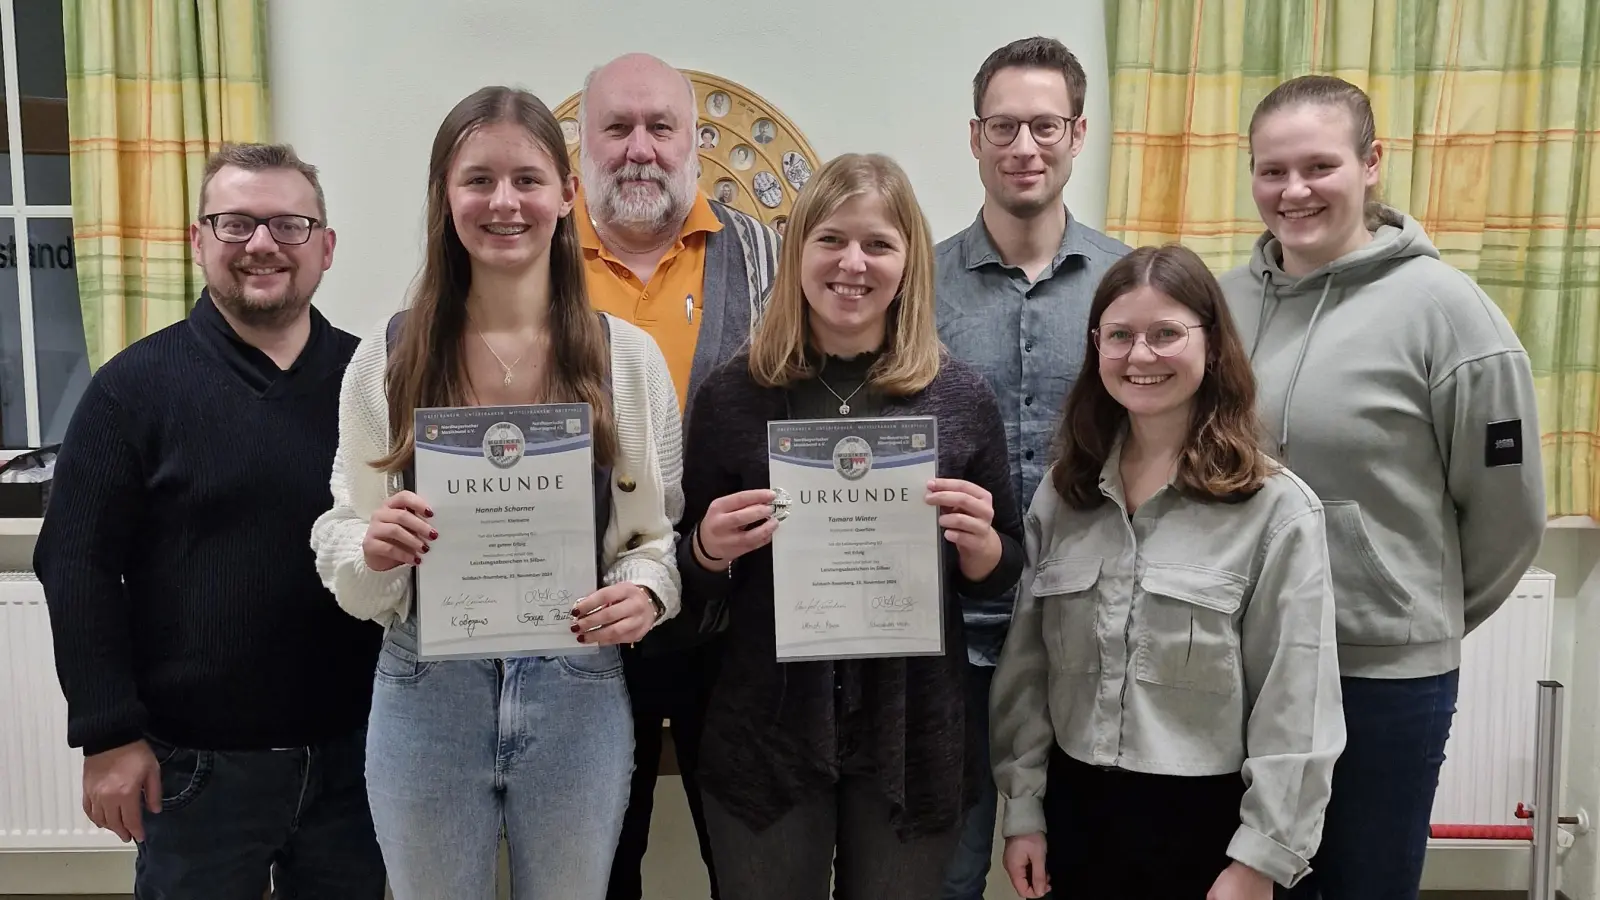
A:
(752, 157)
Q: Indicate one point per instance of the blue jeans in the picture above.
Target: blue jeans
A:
(230, 820)
(968, 872)
(1376, 831)
(459, 749)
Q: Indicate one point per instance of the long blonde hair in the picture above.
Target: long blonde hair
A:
(911, 349)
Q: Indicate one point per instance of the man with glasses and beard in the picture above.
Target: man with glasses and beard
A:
(1014, 291)
(219, 694)
(695, 274)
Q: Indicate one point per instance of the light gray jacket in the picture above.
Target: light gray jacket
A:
(1193, 638)
(1397, 389)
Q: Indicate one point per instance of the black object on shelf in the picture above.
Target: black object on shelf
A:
(27, 499)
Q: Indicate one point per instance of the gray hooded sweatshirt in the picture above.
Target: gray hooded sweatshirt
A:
(1394, 387)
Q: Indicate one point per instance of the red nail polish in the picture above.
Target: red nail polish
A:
(417, 561)
(426, 548)
(428, 513)
(581, 639)
(574, 629)
(433, 535)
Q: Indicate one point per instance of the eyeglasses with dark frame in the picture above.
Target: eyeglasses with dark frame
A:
(1048, 129)
(239, 228)
(1166, 338)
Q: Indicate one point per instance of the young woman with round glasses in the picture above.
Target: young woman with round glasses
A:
(1167, 704)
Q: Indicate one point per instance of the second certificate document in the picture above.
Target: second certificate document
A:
(857, 559)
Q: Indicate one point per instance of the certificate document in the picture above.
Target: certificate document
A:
(857, 564)
(512, 493)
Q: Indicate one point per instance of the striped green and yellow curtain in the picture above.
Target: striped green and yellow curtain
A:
(153, 88)
(1490, 113)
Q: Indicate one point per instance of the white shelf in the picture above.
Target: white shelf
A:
(20, 527)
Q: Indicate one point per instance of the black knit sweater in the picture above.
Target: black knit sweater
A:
(175, 553)
(773, 734)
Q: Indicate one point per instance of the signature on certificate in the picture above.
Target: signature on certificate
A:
(542, 617)
(464, 602)
(468, 623)
(889, 612)
(547, 596)
(818, 605)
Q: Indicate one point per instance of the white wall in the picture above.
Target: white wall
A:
(360, 87)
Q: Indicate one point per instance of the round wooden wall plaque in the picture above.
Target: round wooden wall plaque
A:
(751, 156)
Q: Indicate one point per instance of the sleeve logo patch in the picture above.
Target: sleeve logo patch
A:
(1503, 443)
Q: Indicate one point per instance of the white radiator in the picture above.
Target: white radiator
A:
(1489, 760)
(40, 776)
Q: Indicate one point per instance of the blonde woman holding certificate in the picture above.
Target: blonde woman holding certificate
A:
(540, 745)
(859, 768)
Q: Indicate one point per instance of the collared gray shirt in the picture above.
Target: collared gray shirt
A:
(1028, 339)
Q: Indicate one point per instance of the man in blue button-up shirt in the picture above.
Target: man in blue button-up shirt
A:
(1014, 290)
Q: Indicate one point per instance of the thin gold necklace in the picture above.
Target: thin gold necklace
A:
(506, 368)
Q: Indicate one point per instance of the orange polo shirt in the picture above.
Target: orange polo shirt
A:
(668, 308)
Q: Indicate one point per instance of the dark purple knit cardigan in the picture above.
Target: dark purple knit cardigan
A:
(771, 736)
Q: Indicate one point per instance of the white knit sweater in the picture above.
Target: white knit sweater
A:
(650, 452)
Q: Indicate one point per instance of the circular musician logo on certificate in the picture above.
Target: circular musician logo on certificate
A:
(852, 458)
(502, 444)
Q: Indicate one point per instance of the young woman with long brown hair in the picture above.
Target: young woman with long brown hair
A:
(540, 746)
(1167, 702)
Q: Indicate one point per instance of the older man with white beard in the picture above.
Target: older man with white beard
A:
(691, 271)
(695, 274)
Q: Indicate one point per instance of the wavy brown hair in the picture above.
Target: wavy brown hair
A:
(1222, 459)
(911, 348)
(427, 366)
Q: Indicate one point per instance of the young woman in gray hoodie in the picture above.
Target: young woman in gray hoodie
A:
(1398, 391)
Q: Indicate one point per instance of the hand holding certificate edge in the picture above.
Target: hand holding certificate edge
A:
(734, 525)
(966, 513)
(620, 613)
(396, 534)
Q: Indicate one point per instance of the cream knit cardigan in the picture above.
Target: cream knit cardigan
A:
(640, 543)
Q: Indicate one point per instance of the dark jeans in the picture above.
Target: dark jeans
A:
(675, 687)
(968, 871)
(1376, 832)
(1133, 836)
(230, 820)
(844, 834)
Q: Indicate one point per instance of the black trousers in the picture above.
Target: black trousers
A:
(843, 836)
(232, 820)
(675, 687)
(1133, 836)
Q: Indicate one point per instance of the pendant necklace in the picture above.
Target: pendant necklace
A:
(507, 381)
(844, 402)
(507, 369)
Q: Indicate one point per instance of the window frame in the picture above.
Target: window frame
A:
(19, 211)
